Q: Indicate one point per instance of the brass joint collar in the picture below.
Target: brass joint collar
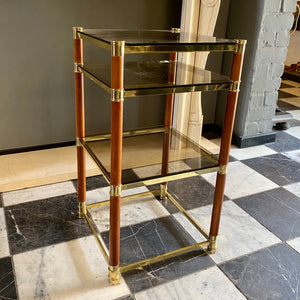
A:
(115, 190)
(82, 209)
(235, 86)
(175, 30)
(241, 45)
(222, 169)
(78, 142)
(75, 32)
(117, 48)
(117, 95)
(76, 68)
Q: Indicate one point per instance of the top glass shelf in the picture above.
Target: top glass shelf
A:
(138, 41)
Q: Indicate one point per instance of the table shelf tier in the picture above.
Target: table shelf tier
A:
(152, 77)
(143, 152)
(156, 41)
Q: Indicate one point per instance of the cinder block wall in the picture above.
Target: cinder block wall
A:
(265, 24)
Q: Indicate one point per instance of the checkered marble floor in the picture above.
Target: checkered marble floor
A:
(46, 252)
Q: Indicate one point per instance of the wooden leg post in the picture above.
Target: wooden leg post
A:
(80, 128)
(117, 71)
(225, 144)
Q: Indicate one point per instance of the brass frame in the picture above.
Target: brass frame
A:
(118, 49)
(114, 272)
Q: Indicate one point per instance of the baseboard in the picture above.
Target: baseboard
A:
(35, 148)
(255, 140)
(209, 130)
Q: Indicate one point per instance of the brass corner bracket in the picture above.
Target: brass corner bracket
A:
(222, 170)
(241, 45)
(75, 32)
(117, 95)
(235, 86)
(117, 48)
(114, 274)
(175, 30)
(115, 190)
(76, 68)
(78, 142)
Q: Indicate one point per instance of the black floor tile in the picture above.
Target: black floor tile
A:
(45, 222)
(284, 142)
(92, 183)
(190, 193)
(277, 209)
(277, 167)
(155, 237)
(272, 273)
(7, 280)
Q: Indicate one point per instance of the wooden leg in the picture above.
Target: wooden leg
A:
(225, 145)
(117, 70)
(80, 128)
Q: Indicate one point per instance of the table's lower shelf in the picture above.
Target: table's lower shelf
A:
(147, 152)
(187, 242)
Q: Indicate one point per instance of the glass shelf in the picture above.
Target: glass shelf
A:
(137, 41)
(151, 77)
(186, 158)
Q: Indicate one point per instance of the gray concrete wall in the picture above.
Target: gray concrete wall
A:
(37, 94)
(265, 24)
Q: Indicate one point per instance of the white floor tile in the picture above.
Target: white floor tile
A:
(294, 155)
(71, 270)
(293, 188)
(294, 131)
(295, 113)
(250, 152)
(240, 233)
(37, 193)
(242, 181)
(295, 243)
(132, 212)
(208, 284)
(4, 251)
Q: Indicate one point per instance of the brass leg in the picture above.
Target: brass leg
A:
(114, 275)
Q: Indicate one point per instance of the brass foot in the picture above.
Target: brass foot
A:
(163, 192)
(81, 209)
(114, 275)
(212, 244)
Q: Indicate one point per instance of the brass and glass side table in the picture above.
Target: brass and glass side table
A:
(117, 152)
